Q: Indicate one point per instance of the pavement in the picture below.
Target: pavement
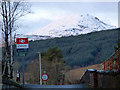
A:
(55, 86)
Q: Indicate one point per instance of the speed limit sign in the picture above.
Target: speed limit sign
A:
(44, 77)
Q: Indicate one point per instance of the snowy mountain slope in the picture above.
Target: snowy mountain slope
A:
(73, 25)
(33, 37)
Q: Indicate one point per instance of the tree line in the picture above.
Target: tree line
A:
(52, 63)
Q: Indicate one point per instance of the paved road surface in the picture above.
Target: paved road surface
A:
(55, 86)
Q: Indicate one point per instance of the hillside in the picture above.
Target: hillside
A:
(78, 51)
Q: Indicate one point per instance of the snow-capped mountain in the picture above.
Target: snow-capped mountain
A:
(33, 37)
(72, 25)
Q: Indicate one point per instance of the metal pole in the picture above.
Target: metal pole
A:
(23, 72)
(44, 82)
(40, 68)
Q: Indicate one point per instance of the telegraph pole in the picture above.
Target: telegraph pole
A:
(40, 68)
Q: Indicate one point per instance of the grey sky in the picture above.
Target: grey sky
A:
(47, 12)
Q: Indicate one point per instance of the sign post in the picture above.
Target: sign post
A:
(22, 48)
(23, 71)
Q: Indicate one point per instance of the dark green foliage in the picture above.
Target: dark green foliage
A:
(79, 50)
(118, 46)
(52, 63)
(52, 54)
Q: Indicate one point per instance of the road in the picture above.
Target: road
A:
(55, 86)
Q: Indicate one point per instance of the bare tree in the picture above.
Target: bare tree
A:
(10, 13)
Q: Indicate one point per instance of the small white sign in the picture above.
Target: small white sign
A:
(21, 46)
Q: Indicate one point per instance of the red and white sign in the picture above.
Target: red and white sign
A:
(21, 43)
(44, 77)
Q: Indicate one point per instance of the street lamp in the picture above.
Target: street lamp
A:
(40, 67)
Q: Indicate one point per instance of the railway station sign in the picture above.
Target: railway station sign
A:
(22, 44)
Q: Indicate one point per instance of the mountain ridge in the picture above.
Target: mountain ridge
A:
(72, 25)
